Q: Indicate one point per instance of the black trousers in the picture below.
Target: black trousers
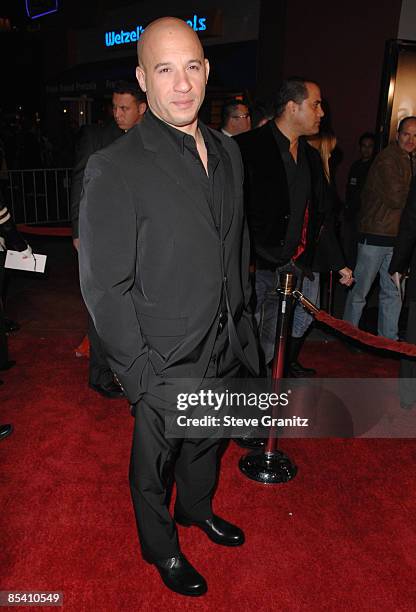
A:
(4, 354)
(99, 370)
(407, 371)
(155, 460)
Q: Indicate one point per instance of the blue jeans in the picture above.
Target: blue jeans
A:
(267, 306)
(372, 259)
(301, 317)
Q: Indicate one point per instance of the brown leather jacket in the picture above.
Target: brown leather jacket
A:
(385, 192)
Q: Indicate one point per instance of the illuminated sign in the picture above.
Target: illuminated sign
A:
(124, 37)
(40, 8)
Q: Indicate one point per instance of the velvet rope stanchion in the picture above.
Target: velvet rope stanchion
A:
(269, 465)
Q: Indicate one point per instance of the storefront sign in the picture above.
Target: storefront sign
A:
(125, 37)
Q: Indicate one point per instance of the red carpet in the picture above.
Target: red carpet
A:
(340, 536)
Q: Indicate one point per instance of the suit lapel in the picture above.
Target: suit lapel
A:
(228, 196)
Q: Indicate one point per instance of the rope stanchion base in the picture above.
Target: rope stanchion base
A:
(267, 464)
(268, 468)
(251, 442)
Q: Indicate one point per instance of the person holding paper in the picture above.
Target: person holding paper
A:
(9, 239)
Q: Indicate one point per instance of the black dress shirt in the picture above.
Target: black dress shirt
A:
(299, 183)
(211, 184)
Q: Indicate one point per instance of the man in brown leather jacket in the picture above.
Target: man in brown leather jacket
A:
(383, 199)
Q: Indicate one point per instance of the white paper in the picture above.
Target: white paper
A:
(32, 263)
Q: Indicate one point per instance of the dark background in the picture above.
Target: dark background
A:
(339, 44)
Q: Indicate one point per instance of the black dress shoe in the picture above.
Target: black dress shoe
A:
(217, 529)
(11, 326)
(7, 365)
(111, 390)
(179, 576)
(296, 370)
(5, 430)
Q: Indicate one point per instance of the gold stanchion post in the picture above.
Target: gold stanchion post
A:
(269, 465)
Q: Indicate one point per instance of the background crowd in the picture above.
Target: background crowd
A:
(361, 219)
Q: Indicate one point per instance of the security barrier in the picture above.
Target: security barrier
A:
(40, 195)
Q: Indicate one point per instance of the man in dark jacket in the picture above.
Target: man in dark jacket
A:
(129, 106)
(355, 184)
(286, 203)
(164, 273)
(383, 199)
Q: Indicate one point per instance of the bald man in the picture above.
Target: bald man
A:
(164, 273)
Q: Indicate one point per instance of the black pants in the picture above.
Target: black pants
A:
(155, 459)
(4, 355)
(99, 370)
(407, 372)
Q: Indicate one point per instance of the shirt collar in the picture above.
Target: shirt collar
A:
(226, 133)
(283, 141)
(179, 138)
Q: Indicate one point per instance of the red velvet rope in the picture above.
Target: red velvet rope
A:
(379, 342)
(41, 230)
(357, 334)
(83, 350)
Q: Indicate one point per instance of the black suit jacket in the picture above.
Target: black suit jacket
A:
(152, 263)
(268, 203)
(404, 254)
(91, 138)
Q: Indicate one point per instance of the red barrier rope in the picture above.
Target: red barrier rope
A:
(346, 328)
(378, 342)
(42, 230)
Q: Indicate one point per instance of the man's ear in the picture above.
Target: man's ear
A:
(291, 106)
(141, 78)
(206, 70)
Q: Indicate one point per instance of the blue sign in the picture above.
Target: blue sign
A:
(124, 37)
(40, 8)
